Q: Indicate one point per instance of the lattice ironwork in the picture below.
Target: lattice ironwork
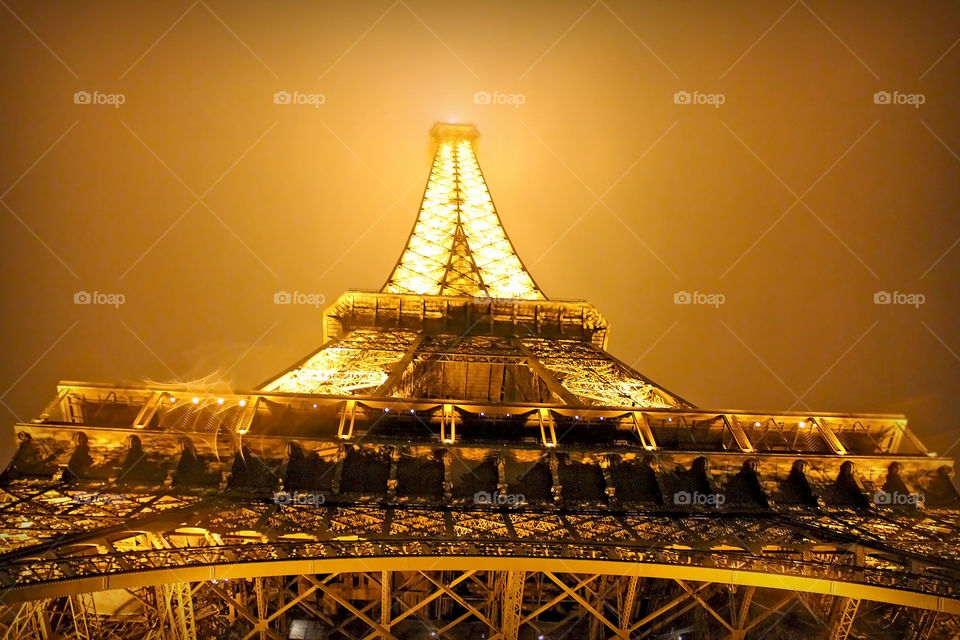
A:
(463, 458)
(359, 362)
(596, 378)
(458, 246)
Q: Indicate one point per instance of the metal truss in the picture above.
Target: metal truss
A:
(458, 246)
(236, 534)
(153, 511)
(452, 604)
(595, 377)
(359, 362)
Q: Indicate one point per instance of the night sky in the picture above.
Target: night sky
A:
(793, 161)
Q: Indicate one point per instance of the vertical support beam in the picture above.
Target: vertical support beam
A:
(740, 615)
(261, 606)
(85, 620)
(347, 418)
(385, 600)
(512, 603)
(30, 621)
(448, 424)
(548, 432)
(627, 601)
(184, 597)
(842, 622)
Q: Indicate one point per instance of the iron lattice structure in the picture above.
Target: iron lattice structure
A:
(462, 458)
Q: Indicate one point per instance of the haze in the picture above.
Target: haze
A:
(798, 199)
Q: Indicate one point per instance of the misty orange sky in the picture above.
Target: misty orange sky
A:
(796, 159)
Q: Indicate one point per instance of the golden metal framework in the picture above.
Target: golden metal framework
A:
(458, 246)
(462, 458)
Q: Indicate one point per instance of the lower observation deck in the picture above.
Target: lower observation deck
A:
(258, 484)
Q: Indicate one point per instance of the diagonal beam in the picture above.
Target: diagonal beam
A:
(244, 611)
(769, 612)
(647, 619)
(703, 603)
(463, 603)
(557, 599)
(424, 602)
(586, 605)
(385, 633)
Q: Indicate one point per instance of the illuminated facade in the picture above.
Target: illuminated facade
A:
(462, 458)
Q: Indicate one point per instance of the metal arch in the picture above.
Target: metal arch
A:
(360, 563)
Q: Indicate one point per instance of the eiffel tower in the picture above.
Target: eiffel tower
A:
(462, 458)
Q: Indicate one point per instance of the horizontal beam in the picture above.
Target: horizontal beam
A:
(311, 566)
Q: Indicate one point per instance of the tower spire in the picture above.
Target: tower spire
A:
(458, 246)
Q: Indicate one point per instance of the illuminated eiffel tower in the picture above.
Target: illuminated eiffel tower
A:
(460, 459)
